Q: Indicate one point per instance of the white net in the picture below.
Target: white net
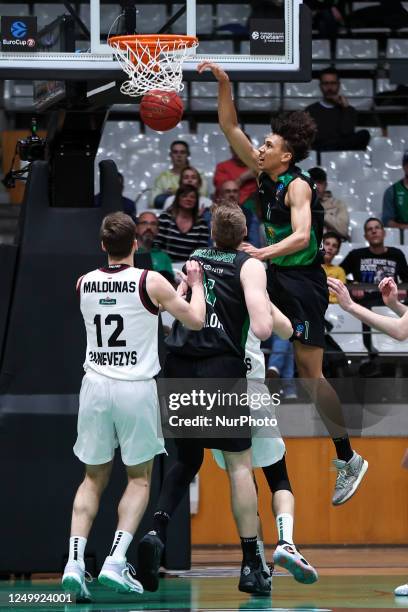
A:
(152, 65)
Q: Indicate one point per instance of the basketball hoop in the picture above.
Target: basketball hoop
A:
(152, 61)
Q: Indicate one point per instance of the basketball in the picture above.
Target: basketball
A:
(161, 110)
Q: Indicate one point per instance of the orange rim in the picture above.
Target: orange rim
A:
(167, 42)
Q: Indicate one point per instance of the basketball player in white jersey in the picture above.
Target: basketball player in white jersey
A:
(268, 452)
(118, 402)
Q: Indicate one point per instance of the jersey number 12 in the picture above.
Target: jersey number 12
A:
(113, 339)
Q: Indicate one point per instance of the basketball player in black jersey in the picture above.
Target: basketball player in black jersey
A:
(293, 220)
(236, 298)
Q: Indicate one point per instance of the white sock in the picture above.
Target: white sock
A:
(76, 548)
(284, 524)
(261, 551)
(121, 543)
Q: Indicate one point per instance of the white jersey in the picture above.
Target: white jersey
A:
(121, 323)
(254, 357)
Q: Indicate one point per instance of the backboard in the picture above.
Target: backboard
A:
(275, 46)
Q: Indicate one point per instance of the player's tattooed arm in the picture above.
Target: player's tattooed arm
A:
(228, 119)
(191, 314)
(253, 281)
(396, 328)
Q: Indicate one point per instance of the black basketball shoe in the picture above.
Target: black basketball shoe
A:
(149, 559)
(254, 580)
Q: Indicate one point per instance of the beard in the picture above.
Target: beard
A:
(146, 240)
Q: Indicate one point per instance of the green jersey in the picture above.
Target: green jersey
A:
(277, 218)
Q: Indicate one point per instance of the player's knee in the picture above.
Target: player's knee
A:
(97, 477)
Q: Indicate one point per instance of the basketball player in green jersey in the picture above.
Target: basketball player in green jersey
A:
(293, 220)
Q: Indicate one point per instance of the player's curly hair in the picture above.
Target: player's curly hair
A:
(298, 130)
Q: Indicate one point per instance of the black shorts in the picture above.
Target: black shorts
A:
(303, 296)
(217, 366)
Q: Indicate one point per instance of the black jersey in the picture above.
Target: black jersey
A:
(277, 218)
(227, 320)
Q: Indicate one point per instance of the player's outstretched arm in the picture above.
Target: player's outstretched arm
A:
(389, 294)
(281, 324)
(227, 117)
(191, 314)
(396, 328)
(253, 281)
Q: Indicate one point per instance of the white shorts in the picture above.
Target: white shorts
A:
(118, 412)
(267, 445)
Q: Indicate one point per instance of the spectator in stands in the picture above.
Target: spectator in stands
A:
(336, 217)
(234, 169)
(390, 14)
(191, 176)
(229, 192)
(128, 205)
(395, 201)
(181, 228)
(335, 118)
(147, 228)
(331, 245)
(373, 263)
(167, 183)
(328, 16)
(281, 364)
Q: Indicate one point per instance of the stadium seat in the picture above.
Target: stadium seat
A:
(258, 131)
(16, 10)
(371, 193)
(204, 19)
(109, 12)
(215, 47)
(347, 331)
(357, 220)
(300, 95)
(359, 91)
(344, 250)
(232, 13)
(46, 13)
(386, 156)
(309, 162)
(356, 49)
(204, 95)
(320, 52)
(259, 96)
(397, 48)
(392, 236)
(208, 128)
(398, 131)
(344, 165)
(381, 342)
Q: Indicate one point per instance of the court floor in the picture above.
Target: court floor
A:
(216, 590)
(350, 578)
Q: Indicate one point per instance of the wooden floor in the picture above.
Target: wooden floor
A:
(330, 561)
(349, 579)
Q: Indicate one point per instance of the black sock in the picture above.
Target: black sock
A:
(160, 523)
(248, 546)
(343, 448)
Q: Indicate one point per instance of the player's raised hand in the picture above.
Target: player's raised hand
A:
(218, 72)
(194, 273)
(389, 291)
(341, 292)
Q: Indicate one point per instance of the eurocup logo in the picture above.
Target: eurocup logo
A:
(255, 35)
(18, 29)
